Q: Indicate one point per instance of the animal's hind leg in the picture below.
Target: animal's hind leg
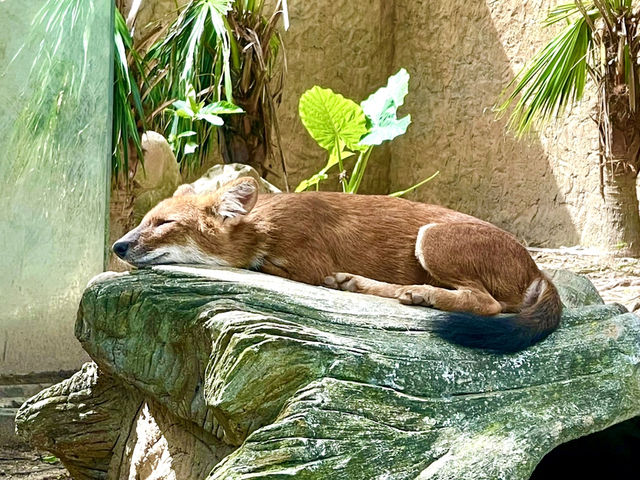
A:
(469, 300)
(483, 265)
(460, 300)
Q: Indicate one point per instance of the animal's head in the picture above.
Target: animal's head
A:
(190, 228)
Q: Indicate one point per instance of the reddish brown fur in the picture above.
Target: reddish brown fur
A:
(315, 234)
(462, 263)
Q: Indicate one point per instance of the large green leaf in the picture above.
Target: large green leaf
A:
(332, 120)
(381, 110)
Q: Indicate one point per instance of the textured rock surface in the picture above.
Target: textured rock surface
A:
(246, 375)
(158, 179)
(218, 175)
(82, 420)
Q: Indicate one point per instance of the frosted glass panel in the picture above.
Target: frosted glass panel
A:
(54, 167)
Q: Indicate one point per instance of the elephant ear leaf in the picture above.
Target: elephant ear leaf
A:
(381, 110)
(333, 121)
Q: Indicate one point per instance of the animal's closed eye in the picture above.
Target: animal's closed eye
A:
(164, 222)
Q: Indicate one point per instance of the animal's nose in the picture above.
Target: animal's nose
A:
(120, 248)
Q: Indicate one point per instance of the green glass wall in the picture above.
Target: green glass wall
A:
(55, 88)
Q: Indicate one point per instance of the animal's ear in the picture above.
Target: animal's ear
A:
(185, 189)
(237, 198)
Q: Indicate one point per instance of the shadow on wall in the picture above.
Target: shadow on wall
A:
(336, 44)
(455, 52)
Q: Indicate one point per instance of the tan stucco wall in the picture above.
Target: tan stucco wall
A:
(460, 55)
(464, 52)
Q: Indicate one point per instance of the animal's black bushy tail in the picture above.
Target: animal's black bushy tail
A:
(538, 317)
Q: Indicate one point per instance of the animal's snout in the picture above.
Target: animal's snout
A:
(121, 247)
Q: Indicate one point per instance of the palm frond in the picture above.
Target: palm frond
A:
(555, 78)
(568, 10)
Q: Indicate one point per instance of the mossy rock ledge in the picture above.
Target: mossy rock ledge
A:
(229, 374)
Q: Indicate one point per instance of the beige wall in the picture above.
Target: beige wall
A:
(343, 45)
(463, 52)
(460, 55)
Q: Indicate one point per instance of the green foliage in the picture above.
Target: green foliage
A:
(224, 50)
(337, 124)
(595, 39)
(413, 187)
(51, 459)
(344, 129)
(198, 53)
(128, 111)
(196, 47)
(194, 111)
(194, 54)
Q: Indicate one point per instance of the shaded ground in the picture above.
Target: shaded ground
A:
(617, 280)
(21, 463)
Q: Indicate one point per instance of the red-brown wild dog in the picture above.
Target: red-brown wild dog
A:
(420, 254)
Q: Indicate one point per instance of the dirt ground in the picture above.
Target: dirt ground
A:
(617, 280)
(22, 463)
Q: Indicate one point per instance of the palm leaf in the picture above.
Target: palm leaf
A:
(127, 103)
(567, 11)
(555, 78)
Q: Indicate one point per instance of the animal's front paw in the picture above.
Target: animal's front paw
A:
(412, 296)
(343, 281)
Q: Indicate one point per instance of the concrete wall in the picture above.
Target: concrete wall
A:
(462, 53)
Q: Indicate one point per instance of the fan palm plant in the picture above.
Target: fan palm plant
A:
(601, 42)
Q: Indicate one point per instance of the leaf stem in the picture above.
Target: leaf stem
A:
(358, 170)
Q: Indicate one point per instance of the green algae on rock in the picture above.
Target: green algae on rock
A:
(273, 379)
